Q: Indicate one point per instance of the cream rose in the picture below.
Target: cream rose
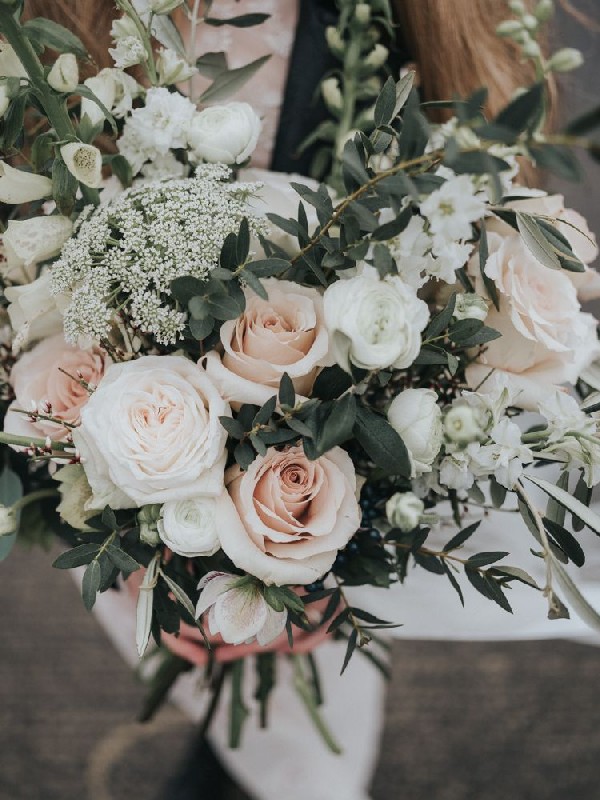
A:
(48, 376)
(546, 339)
(285, 333)
(415, 415)
(150, 433)
(289, 516)
(189, 527)
(227, 133)
(374, 323)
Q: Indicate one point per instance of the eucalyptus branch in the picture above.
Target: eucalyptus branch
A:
(543, 536)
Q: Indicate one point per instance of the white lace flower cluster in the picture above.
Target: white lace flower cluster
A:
(126, 254)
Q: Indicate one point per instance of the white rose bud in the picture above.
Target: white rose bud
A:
(416, 417)
(147, 518)
(566, 60)
(227, 133)
(18, 186)
(470, 306)
(64, 75)
(189, 527)
(164, 6)
(374, 323)
(377, 57)
(461, 425)
(8, 521)
(363, 13)
(172, 68)
(404, 510)
(330, 89)
(84, 162)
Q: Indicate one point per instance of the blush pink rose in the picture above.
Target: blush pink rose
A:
(285, 333)
(546, 338)
(290, 516)
(48, 375)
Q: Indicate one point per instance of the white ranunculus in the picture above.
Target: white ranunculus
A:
(39, 238)
(374, 323)
(227, 133)
(189, 527)
(404, 510)
(172, 68)
(151, 433)
(416, 417)
(84, 162)
(64, 75)
(239, 613)
(18, 186)
(33, 311)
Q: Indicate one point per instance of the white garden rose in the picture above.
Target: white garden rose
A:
(18, 186)
(189, 527)
(416, 417)
(374, 323)
(226, 134)
(151, 433)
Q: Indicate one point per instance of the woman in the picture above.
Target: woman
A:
(455, 50)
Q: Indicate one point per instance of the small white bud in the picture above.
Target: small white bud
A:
(404, 510)
(566, 60)
(544, 10)
(64, 75)
(332, 94)
(461, 425)
(164, 6)
(172, 68)
(334, 39)
(517, 6)
(84, 162)
(530, 22)
(4, 99)
(377, 57)
(470, 306)
(531, 49)
(363, 13)
(8, 521)
(509, 27)
(147, 518)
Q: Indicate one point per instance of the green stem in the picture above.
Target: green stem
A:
(51, 102)
(27, 441)
(33, 497)
(307, 696)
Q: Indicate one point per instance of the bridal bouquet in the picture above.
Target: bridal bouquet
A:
(251, 392)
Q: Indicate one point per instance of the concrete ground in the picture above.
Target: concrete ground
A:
(465, 721)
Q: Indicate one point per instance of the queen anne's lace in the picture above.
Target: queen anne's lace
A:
(124, 256)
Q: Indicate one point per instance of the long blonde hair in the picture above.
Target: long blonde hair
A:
(453, 42)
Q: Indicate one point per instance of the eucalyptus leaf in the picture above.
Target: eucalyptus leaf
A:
(569, 502)
(90, 584)
(228, 83)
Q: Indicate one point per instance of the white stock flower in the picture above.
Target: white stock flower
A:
(84, 162)
(470, 306)
(415, 415)
(64, 75)
(163, 167)
(128, 52)
(374, 323)
(18, 186)
(150, 433)
(189, 527)
(237, 610)
(37, 239)
(227, 133)
(411, 250)
(505, 456)
(404, 510)
(172, 68)
(452, 209)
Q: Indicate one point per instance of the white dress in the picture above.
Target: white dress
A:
(289, 759)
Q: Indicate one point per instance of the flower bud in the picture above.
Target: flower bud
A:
(84, 162)
(334, 40)
(18, 186)
(4, 99)
(64, 75)
(544, 10)
(530, 22)
(461, 425)
(566, 60)
(147, 518)
(470, 306)
(509, 27)
(404, 511)
(517, 6)
(377, 57)
(164, 6)
(531, 49)
(332, 94)
(8, 521)
(363, 13)
(172, 68)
